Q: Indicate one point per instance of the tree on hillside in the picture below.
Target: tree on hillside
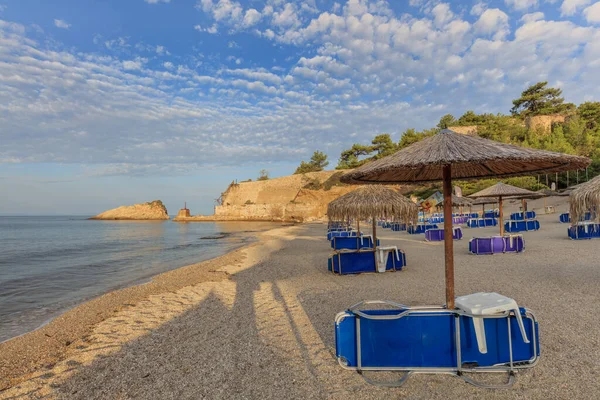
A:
(411, 136)
(263, 175)
(317, 163)
(383, 145)
(589, 112)
(540, 100)
(446, 121)
(351, 158)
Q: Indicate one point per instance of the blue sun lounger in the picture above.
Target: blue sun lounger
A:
(518, 216)
(481, 222)
(520, 226)
(437, 235)
(397, 227)
(356, 262)
(420, 228)
(497, 244)
(331, 235)
(352, 243)
(584, 230)
(435, 340)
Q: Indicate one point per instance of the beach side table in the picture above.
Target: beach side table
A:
(382, 256)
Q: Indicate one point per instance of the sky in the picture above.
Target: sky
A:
(106, 103)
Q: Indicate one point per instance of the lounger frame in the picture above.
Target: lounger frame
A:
(509, 368)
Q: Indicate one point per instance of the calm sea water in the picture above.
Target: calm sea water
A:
(50, 264)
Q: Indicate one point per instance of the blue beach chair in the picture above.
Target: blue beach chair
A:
(437, 235)
(497, 244)
(584, 230)
(352, 243)
(518, 216)
(520, 226)
(357, 262)
(435, 340)
(420, 228)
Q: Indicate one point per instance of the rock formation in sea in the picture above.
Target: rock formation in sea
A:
(153, 210)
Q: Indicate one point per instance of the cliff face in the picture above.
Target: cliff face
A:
(154, 210)
(295, 198)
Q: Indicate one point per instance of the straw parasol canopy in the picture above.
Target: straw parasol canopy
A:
(372, 202)
(503, 190)
(485, 200)
(471, 157)
(449, 155)
(461, 201)
(585, 198)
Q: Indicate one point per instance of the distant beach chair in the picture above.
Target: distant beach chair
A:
(584, 230)
(355, 262)
(331, 235)
(352, 242)
(522, 226)
(497, 244)
(437, 235)
(518, 216)
(565, 218)
(398, 227)
(481, 222)
(420, 228)
(493, 336)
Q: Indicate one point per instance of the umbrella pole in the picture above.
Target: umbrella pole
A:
(374, 234)
(358, 226)
(501, 216)
(448, 241)
(524, 206)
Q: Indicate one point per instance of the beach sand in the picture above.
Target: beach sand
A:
(258, 323)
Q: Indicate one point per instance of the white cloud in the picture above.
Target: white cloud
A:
(252, 17)
(157, 1)
(592, 13)
(211, 29)
(493, 22)
(570, 7)
(521, 5)
(478, 8)
(59, 23)
(132, 65)
(442, 14)
(536, 16)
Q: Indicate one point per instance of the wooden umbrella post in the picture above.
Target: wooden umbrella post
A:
(374, 234)
(358, 226)
(501, 216)
(524, 207)
(448, 241)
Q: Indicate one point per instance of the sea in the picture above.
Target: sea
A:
(50, 264)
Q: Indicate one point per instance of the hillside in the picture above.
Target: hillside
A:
(154, 210)
(294, 198)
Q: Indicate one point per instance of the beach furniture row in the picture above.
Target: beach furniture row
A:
(519, 216)
(522, 225)
(353, 242)
(481, 222)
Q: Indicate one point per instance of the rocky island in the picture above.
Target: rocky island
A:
(153, 210)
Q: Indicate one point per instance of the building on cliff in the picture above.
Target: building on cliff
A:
(294, 198)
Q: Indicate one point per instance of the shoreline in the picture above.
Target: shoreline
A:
(23, 356)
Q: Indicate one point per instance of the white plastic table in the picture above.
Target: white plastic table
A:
(382, 256)
(481, 304)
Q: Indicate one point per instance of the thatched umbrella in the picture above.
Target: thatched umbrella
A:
(449, 155)
(585, 198)
(502, 190)
(372, 202)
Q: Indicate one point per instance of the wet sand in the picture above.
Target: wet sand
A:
(258, 323)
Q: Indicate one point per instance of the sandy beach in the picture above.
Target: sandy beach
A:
(258, 323)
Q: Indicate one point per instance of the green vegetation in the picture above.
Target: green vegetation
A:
(540, 100)
(334, 180)
(313, 184)
(578, 134)
(317, 163)
(263, 175)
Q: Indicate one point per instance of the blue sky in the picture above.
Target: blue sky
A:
(104, 103)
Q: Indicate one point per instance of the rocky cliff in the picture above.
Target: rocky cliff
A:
(154, 210)
(295, 198)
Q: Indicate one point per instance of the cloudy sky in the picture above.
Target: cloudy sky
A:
(113, 102)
